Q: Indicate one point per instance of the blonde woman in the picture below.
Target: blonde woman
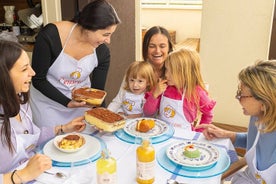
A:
(257, 96)
(129, 101)
(180, 97)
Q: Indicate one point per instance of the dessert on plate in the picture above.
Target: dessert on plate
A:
(90, 95)
(104, 119)
(71, 142)
(191, 151)
(145, 125)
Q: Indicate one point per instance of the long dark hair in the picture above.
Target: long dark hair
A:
(98, 14)
(153, 31)
(9, 100)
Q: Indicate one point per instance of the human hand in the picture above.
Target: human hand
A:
(35, 167)
(76, 125)
(211, 131)
(160, 87)
(75, 104)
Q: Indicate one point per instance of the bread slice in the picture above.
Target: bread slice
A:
(104, 119)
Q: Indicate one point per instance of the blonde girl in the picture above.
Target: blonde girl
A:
(180, 97)
(129, 101)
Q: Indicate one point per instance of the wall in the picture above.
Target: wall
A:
(234, 34)
(186, 23)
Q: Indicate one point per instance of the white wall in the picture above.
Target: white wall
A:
(186, 23)
(234, 34)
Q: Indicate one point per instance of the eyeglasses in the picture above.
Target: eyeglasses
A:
(239, 96)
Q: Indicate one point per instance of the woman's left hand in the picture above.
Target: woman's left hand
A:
(76, 125)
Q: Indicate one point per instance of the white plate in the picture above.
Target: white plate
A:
(90, 149)
(57, 140)
(158, 130)
(209, 155)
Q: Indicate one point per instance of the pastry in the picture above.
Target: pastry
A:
(145, 125)
(90, 95)
(104, 119)
(71, 142)
(191, 151)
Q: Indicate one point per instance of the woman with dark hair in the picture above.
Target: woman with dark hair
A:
(68, 55)
(157, 45)
(19, 135)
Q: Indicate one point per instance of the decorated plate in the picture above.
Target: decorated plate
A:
(158, 130)
(69, 149)
(89, 150)
(208, 156)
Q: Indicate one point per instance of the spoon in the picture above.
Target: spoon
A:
(171, 181)
(57, 174)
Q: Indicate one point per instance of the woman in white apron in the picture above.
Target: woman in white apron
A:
(257, 97)
(19, 136)
(65, 57)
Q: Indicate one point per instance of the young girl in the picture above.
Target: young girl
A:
(139, 78)
(180, 97)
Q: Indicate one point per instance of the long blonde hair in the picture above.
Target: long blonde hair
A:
(260, 78)
(184, 65)
(142, 69)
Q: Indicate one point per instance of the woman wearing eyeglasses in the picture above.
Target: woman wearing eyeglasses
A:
(257, 96)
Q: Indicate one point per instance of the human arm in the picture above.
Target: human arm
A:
(76, 125)
(151, 105)
(46, 50)
(116, 104)
(35, 166)
(212, 132)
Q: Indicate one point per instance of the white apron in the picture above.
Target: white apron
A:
(25, 143)
(171, 111)
(133, 104)
(66, 73)
(266, 176)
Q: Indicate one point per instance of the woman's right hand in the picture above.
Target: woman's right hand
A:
(35, 167)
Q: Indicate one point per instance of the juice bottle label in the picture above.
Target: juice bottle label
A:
(145, 170)
(106, 178)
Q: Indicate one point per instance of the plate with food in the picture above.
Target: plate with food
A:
(146, 127)
(193, 154)
(104, 119)
(69, 143)
(91, 96)
(91, 148)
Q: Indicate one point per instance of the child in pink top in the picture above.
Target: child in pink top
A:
(182, 96)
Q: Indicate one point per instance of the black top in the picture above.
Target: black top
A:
(47, 48)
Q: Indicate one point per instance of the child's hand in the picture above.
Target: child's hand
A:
(160, 87)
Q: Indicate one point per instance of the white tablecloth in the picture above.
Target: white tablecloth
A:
(125, 154)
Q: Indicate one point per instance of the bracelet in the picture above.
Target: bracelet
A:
(12, 177)
(14, 173)
(61, 129)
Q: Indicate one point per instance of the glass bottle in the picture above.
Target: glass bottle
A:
(106, 169)
(145, 163)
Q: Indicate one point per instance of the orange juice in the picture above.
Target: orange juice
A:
(145, 163)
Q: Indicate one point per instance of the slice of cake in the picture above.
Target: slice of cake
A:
(104, 119)
(145, 125)
(191, 151)
(90, 95)
(71, 142)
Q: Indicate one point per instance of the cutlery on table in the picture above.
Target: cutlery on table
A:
(171, 181)
(57, 174)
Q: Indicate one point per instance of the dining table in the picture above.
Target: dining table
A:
(122, 146)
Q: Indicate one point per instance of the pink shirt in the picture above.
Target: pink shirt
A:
(190, 110)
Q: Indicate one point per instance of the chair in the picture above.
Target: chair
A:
(236, 166)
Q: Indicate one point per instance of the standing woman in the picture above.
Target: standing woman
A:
(64, 57)
(19, 135)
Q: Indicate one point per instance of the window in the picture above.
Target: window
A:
(172, 4)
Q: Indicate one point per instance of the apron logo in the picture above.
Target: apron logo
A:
(128, 105)
(169, 111)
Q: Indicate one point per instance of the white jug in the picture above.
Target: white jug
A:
(9, 14)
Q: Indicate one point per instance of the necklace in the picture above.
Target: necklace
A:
(25, 130)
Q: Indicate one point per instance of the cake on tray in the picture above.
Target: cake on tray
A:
(90, 95)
